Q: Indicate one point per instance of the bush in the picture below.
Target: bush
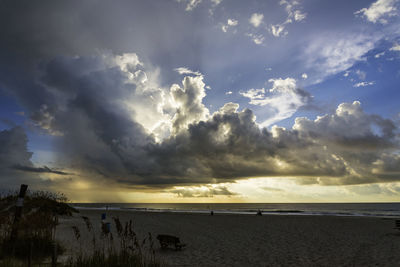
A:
(36, 228)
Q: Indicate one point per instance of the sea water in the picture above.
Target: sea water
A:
(333, 209)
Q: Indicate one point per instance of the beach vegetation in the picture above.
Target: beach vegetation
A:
(35, 243)
(30, 238)
(126, 249)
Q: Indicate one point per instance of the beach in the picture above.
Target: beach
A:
(249, 240)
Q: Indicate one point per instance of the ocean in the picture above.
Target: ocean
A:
(333, 209)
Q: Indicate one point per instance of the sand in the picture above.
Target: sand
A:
(246, 240)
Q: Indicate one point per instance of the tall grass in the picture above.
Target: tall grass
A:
(123, 250)
(36, 244)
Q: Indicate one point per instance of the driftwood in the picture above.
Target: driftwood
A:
(166, 240)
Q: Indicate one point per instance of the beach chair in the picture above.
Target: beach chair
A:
(166, 240)
(397, 224)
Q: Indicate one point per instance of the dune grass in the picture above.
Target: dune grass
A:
(35, 244)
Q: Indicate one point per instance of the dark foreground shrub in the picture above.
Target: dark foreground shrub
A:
(33, 239)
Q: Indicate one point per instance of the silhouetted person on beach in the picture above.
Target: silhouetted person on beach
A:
(259, 213)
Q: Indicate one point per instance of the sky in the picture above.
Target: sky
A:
(201, 100)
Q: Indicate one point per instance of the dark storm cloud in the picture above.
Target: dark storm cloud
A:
(14, 152)
(13, 149)
(66, 66)
(97, 130)
(43, 169)
(100, 137)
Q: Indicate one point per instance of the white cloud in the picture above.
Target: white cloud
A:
(232, 22)
(361, 74)
(229, 23)
(293, 11)
(188, 101)
(254, 95)
(216, 2)
(191, 4)
(362, 84)
(380, 54)
(282, 100)
(329, 55)
(379, 10)
(127, 62)
(185, 71)
(277, 30)
(395, 47)
(257, 38)
(229, 93)
(304, 76)
(299, 16)
(256, 19)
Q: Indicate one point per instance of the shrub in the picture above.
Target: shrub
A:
(36, 227)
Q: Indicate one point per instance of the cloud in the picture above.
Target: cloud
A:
(361, 74)
(258, 39)
(267, 188)
(283, 99)
(256, 19)
(216, 2)
(379, 11)
(43, 169)
(13, 155)
(299, 16)
(294, 12)
(107, 113)
(339, 148)
(13, 149)
(304, 76)
(202, 191)
(110, 119)
(117, 124)
(254, 94)
(395, 47)
(190, 4)
(380, 54)
(349, 126)
(188, 101)
(363, 84)
(186, 71)
(277, 30)
(43, 118)
(229, 93)
(329, 55)
(230, 23)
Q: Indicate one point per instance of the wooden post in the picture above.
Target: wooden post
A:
(18, 213)
(30, 252)
(54, 256)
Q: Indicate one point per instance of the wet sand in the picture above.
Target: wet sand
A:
(246, 240)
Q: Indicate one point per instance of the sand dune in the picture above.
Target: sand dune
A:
(243, 240)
